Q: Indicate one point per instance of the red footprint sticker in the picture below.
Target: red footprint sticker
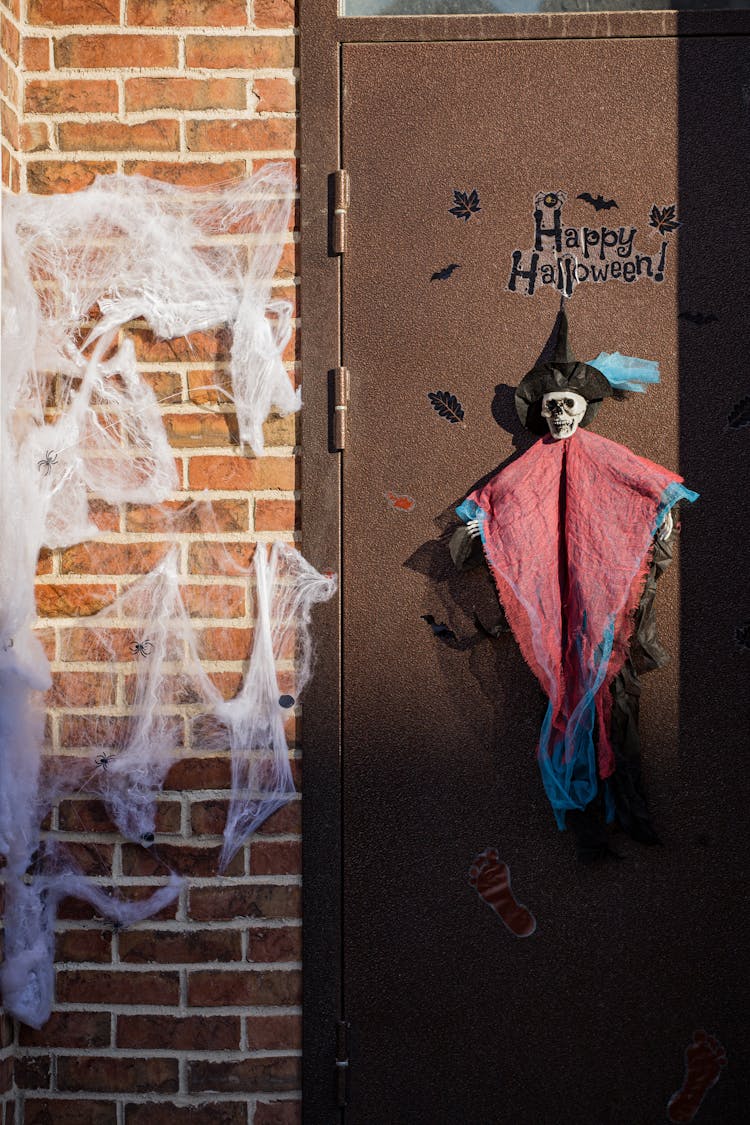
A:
(399, 503)
(490, 878)
(705, 1059)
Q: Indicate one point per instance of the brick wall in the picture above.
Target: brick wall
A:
(197, 1009)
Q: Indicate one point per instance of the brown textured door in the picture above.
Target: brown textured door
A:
(585, 1023)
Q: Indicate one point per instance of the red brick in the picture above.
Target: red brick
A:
(185, 93)
(81, 643)
(118, 1075)
(112, 558)
(69, 1111)
(282, 943)
(105, 52)
(275, 95)
(208, 818)
(188, 516)
(10, 39)
(196, 430)
(112, 136)
(103, 986)
(94, 946)
(32, 1072)
(274, 1033)
(214, 601)
(187, 13)
(89, 815)
(172, 947)
(229, 988)
(72, 909)
(70, 95)
(243, 473)
(48, 177)
(208, 772)
(275, 857)
(284, 820)
(224, 644)
(105, 516)
(289, 263)
(33, 137)
(82, 689)
(263, 134)
(220, 558)
(58, 13)
(276, 515)
(179, 1033)
(240, 52)
(6, 1073)
(77, 600)
(246, 1075)
(207, 1113)
(90, 858)
(36, 53)
(252, 901)
(70, 1029)
(196, 348)
(185, 860)
(11, 171)
(278, 1113)
(274, 13)
(187, 174)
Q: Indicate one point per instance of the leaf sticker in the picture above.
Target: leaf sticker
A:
(739, 415)
(466, 204)
(664, 219)
(447, 405)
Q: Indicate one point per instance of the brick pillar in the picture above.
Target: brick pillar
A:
(198, 1007)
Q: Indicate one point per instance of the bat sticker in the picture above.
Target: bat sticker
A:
(466, 204)
(439, 628)
(598, 202)
(447, 406)
(442, 275)
(664, 219)
(739, 415)
(399, 503)
(698, 318)
(742, 636)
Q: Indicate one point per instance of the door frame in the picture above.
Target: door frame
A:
(322, 35)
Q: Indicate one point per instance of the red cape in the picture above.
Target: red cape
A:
(567, 530)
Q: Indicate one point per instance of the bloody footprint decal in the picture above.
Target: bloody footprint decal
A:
(490, 878)
(705, 1059)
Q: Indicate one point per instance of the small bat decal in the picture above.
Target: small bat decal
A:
(598, 202)
(399, 503)
(699, 318)
(664, 219)
(466, 204)
(447, 406)
(441, 275)
(739, 415)
(441, 630)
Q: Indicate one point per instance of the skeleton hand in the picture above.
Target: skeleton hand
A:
(473, 529)
(666, 528)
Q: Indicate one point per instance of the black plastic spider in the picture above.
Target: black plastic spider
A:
(141, 648)
(45, 463)
(103, 760)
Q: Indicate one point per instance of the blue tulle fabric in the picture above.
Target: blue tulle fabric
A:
(626, 372)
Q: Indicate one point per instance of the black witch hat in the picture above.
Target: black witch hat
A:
(561, 372)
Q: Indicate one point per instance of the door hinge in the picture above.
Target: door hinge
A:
(341, 196)
(340, 406)
(342, 1061)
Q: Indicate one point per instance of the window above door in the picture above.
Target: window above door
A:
(500, 7)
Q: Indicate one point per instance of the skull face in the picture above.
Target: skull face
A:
(563, 411)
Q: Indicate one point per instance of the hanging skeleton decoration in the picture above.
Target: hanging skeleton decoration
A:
(576, 533)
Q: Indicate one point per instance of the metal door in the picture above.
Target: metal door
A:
(453, 1019)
